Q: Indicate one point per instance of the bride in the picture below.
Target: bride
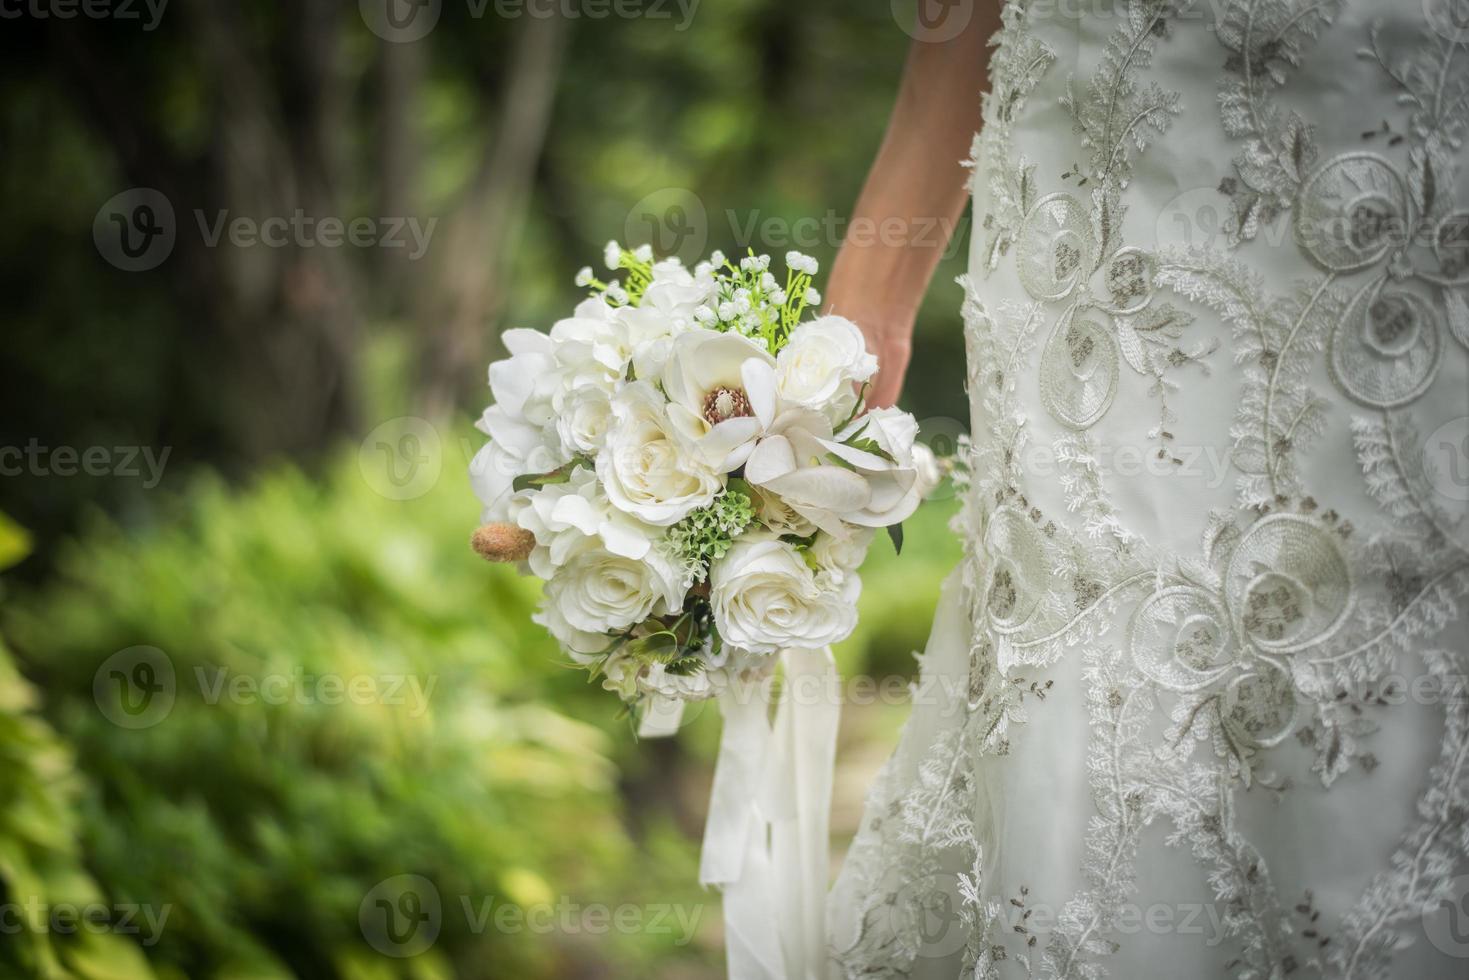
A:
(1194, 703)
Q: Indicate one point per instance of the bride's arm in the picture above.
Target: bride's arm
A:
(914, 195)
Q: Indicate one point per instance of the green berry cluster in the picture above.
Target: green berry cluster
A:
(706, 534)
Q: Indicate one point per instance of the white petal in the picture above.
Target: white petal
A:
(834, 488)
(760, 389)
(772, 458)
(576, 512)
(857, 457)
(624, 541)
(525, 341)
(727, 437)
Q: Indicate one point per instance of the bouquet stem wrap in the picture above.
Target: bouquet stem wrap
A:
(766, 838)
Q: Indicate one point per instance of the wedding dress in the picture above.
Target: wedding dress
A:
(1194, 702)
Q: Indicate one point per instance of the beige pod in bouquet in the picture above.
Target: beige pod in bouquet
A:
(502, 542)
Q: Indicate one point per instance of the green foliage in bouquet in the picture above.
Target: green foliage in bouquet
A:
(707, 534)
(747, 299)
(264, 822)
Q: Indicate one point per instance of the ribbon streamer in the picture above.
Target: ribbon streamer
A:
(766, 837)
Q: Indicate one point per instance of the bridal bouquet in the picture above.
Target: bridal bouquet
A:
(686, 462)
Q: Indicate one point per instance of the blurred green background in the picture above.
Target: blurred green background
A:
(262, 712)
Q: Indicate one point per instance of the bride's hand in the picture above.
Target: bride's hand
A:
(892, 344)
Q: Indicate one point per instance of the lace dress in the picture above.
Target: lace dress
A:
(1195, 702)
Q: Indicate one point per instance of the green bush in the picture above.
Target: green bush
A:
(263, 823)
(270, 827)
(43, 884)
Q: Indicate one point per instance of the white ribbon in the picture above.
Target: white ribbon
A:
(766, 837)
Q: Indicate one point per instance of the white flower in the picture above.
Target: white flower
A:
(694, 686)
(648, 465)
(837, 558)
(612, 255)
(620, 675)
(812, 297)
(563, 515)
(522, 441)
(892, 474)
(790, 462)
(820, 364)
(766, 598)
(802, 263)
(525, 384)
(597, 592)
(586, 413)
(720, 386)
(777, 516)
(493, 471)
(676, 293)
(584, 276)
(590, 348)
(930, 470)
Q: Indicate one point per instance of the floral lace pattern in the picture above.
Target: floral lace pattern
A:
(1200, 670)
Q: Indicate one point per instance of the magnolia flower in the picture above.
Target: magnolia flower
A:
(597, 592)
(721, 386)
(766, 598)
(790, 461)
(820, 365)
(562, 516)
(897, 484)
(648, 464)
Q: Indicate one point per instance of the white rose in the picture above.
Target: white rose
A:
(591, 346)
(584, 418)
(649, 333)
(648, 466)
(820, 364)
(517, 446)
(563, 516)
(597, 592)
(897, 486)
(766, 598)
(837, 558)
(525, 383)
